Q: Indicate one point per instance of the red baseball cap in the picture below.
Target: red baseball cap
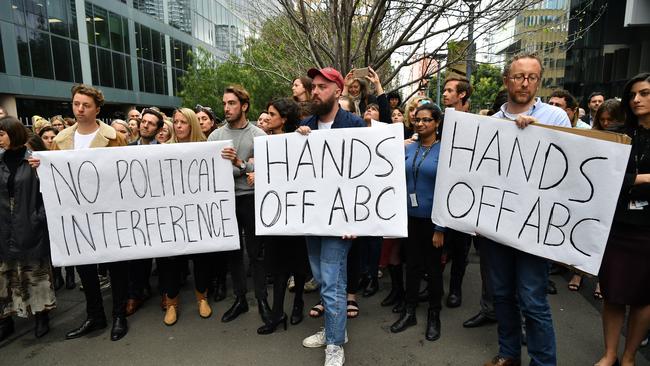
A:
(328, 73)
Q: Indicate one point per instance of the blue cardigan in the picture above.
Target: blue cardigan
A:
(426, 180)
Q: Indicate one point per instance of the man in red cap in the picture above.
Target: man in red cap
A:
(328, 254)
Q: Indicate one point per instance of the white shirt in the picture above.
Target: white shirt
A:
(83, 141)
(325, 125)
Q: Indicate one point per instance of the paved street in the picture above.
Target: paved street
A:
(195, 341)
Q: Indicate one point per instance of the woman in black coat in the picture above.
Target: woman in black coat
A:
(25, 271)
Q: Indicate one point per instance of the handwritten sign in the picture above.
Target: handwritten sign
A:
(546, 192)
(331, 183)
(114, 204)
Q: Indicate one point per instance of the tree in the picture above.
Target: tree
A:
(487, 82)
(207, 77)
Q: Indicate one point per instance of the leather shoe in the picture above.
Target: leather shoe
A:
(89, 325)
(132, 305)
(478, 320)
(454, 299)
(433, 325)
(265, 310)
(503, 361)
(42, 324)
(371, 288)
(407, 319)
(239, 307)
(119, 329)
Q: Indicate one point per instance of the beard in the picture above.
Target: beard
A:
(234, 117)
(320, 108)
(522, 98)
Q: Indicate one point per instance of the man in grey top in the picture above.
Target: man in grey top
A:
(236, 102)
(519, 279)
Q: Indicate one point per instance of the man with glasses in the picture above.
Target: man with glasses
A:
(519, 279)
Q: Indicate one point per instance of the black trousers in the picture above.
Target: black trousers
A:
(457, 245)
(245, 210)
(487, 305)
(354, 266)
(139, 272)
(119, 286)
(422, 256)
(170, 270)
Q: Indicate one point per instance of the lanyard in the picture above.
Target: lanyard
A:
(416, 169)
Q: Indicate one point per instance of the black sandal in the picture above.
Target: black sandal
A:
(319, 309)
(353, 309)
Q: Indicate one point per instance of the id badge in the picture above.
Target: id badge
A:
(414, 199)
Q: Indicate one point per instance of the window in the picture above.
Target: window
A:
(151, 52)
(39, 46)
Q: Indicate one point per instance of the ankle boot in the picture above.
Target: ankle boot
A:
(297, 313)
(239, 307)
(265, 310)
(271, 326)
(171, 310)
(220, 291)
(6, 327)
(42, 326)
(433, 325)
(405, 320)
(57, 278)
(372, 287)
(204, 308)
(397, 286)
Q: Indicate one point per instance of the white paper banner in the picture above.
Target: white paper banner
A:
(114, 204)
(546, 192)
(331, 183)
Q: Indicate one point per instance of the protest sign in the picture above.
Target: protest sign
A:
(114, 204)
(546, 192)
(331, 183)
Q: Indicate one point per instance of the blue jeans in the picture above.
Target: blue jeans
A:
(328, 258)
(519, 281)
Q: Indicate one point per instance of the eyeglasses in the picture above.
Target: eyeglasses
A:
(519, 78)
(423, 120)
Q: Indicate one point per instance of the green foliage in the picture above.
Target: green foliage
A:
(486, 81)
(206, 79)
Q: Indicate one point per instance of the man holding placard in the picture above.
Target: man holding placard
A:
(327, 254)
(518, 278)
(89, 133)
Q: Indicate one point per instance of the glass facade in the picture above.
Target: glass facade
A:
(151, 49)
(2, 56)
(153, 8)
(47, 39)
(180, 62)
(108, 45)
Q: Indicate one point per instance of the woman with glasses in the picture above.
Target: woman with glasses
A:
(625, 273)
(58, 123)
(425, 240)
(170, 269)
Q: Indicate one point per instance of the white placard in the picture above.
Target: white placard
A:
(546, 192)
(120, 203)
(331, 183)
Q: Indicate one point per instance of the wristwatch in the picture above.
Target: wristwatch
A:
(242, 166)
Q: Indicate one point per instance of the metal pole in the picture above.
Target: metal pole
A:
(438, 77)
(470, 53)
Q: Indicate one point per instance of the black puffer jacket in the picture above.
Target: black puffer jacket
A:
(23, 228)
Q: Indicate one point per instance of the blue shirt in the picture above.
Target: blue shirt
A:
(545, 113)
(423, 187)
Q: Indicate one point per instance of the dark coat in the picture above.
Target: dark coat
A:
(343, 119)
(23, 230)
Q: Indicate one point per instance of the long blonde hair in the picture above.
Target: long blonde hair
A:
(196, 135)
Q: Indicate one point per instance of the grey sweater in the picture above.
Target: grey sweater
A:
(242, 140)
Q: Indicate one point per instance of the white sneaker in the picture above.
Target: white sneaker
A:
(318, 339)
(334, 355)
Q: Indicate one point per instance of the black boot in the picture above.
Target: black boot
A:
(6, 328)
(69, 278)
(220, 291)
(270, 327)
(364, 281)
(405, 320)
(239, 307)
(372, 287)
(57, 278)
(297, 313)
(42, 326)
(433, 325)
(89, 325)
(400, 307)
(397, 286)
(119, 329)
(265, 310)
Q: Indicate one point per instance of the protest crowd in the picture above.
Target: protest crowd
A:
(343, 268)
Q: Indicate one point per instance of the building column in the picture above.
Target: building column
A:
(84, 52)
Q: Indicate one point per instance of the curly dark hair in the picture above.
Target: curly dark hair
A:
(288, 109)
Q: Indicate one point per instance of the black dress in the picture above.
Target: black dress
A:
(286, 254)
(625, 270)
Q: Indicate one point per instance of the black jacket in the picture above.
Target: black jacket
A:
(343, 119)
(23, 230)
(639, 159)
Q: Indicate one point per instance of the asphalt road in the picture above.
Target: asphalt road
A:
(196, 341)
